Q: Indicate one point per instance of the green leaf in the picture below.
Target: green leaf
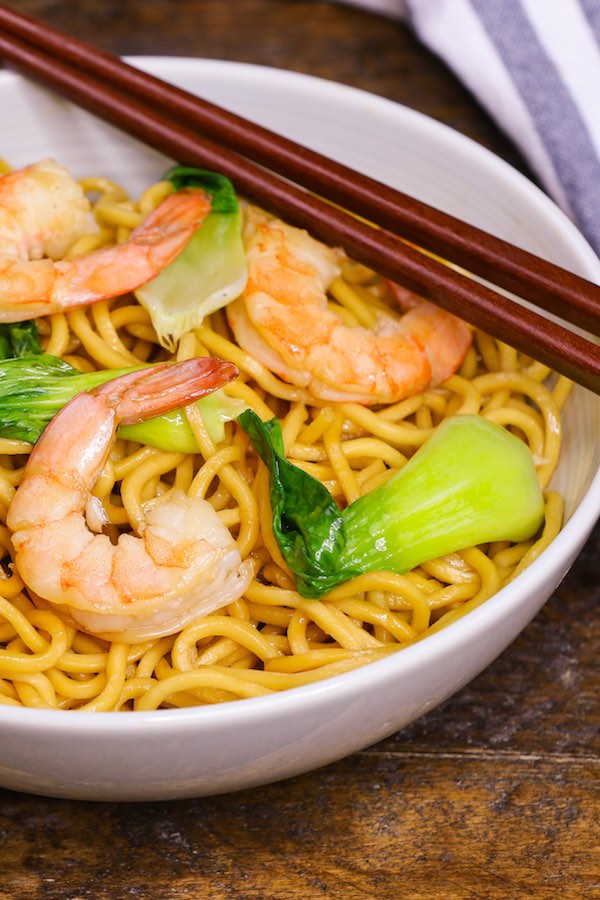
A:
(307, 522)
(34, 388)
(19, 339)
(6, 351)
(220, 188)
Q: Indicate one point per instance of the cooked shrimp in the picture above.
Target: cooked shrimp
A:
(283, 319)
(183, 564)
(43, 211)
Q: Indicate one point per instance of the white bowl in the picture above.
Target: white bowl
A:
(200, 751)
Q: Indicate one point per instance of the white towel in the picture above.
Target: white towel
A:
(535, 66)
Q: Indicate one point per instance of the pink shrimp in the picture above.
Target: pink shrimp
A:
(43, 211)
(184, 563)
(284, 321)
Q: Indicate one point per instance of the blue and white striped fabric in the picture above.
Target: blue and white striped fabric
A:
(535, 66)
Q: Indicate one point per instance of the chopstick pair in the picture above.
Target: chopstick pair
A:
(263, 165)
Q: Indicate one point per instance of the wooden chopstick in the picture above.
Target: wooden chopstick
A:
(554, 289)
(535, 335)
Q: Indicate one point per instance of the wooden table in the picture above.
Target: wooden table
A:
(493, 795)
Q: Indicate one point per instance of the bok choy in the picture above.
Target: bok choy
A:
(34, 388)
(19, 339)
(209, 272)
(470, 483)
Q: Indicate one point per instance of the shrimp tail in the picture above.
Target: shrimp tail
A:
(152, 392)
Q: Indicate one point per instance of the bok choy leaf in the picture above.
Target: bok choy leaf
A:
(472, 482)
(19, 339)
(209, 272)
(34, 388)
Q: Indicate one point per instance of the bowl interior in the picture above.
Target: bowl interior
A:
(422, 158)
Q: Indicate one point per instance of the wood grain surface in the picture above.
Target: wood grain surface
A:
(493, 795)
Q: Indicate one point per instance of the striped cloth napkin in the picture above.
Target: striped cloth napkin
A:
(535, 66)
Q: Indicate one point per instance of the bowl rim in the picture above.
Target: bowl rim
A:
(423, 652)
